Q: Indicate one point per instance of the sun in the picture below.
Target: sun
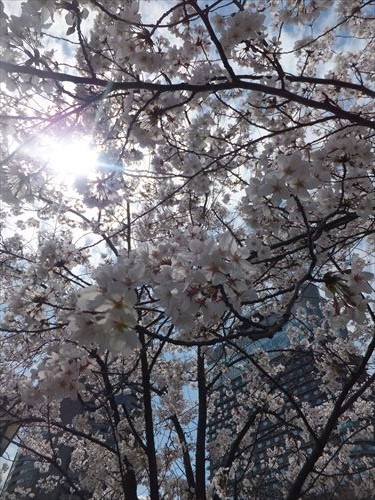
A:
(69, 158)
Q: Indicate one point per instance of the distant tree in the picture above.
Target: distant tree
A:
(235, 167)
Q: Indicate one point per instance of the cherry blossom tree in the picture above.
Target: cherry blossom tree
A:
(175, 175)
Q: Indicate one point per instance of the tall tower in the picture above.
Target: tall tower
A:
(254, 434)
(24, 476)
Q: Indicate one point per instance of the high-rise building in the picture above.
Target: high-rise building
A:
(24, 476)
(259, 463)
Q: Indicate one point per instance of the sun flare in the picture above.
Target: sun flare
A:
(71, 158)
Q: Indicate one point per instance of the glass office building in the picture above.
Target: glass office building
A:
(260, 463)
